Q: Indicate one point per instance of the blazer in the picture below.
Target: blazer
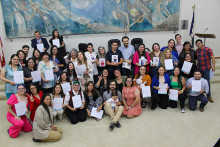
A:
(44, 41)
(155, 82)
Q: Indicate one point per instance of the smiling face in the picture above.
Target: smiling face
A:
(80, 56)
(63, 77)
(176, 71)
(167, 54)
(199, 44)
(129, 82)
(75, 87)
(37, 35)
(33, 89)
(26, 50)
(102, 50)
(71, 66)
(45, 57)
(54, 51)
(171, 44)
(47, 100)
(178, 38)
(57, 89)
(21, 56)
(188, 58)
(31, 63)
(117, 73)
(112, 86)
(161, 71)
(73, 55)
(156, 48)
(141, 48)
(197, 75)
(187, 47)
(36, 54)
(15, 60)
(114, 46)
(21, 90)
(114, 98)
(90, 87)
(142, 70)
(56, 34)
(90, 48)
(105, 73)
(125, 42)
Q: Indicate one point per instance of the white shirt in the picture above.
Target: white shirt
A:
(112, 102)
(67, 97)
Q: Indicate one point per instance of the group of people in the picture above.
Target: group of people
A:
(110, 80)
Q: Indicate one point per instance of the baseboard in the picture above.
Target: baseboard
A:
(217, 57)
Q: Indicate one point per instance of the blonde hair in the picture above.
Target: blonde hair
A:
(163, 56)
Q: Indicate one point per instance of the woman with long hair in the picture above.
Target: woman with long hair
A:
(37, 56)
(18, 122)
(22, 58)
(93, 98)
(8, 77)
(71, 72)
(101, 55)
(187, 49)
(102, 83)
(43, 128)
(141, 57)
(171, 46)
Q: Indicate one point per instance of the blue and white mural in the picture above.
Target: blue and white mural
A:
(23, 17)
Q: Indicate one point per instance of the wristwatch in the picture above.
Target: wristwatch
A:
(131, 106)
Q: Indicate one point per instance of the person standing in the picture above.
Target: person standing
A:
(127, 52)
(179, 44)
(205, 55)
(38, 39)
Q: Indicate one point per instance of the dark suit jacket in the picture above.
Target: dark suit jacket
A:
(44, 41)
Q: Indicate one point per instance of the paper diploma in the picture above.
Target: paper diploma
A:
(115, 58)
(36, 76)
(102, 62)
(57, 103)
(18, 77)
(77, 101)
(40, 47)
(126, 65)
(96, 114)
(173, 94)
(49, 75)
(156, 61)
(168, 64)
(80, 69)
(196, 85)
(20, 108)
(142, 61)
(212, 74)
(56, 42)
(66, 87)
(163, 88)
(187, 67)
(146, 91)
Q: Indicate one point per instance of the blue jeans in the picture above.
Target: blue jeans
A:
(193, 101)
(206, 75)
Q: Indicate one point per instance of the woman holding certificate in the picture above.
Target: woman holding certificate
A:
(187, 49)
(22, 58)
(17, 106)
(160, 85)
(141, 57)
(58, 41)
(93, 98)
(171, 46)
(8, 76)
(155, 58)
(37, 56)
(146, 80)
(47, 69)
(168, 61)
(34, 98)
(177, 82)
(131, 99)
(84, 70)
(75, 104)
(58, 102)
(43, 128)
(101, 59)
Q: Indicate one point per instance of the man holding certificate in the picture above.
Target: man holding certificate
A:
(197, 86)
(205, 55)
(39, 43)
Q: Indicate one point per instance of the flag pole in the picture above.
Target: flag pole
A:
(194, 8)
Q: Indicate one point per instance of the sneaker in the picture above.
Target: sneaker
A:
(111, 127)
(210, 99)
(183, 110)
(118, 125)
(201, 109)
(36, 140)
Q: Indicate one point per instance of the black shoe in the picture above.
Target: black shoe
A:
(111, 127)
(36, 140)
(118, 125)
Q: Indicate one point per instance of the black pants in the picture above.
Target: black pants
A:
(47, 90)
(160, 99)
(182, 98)
(76, 116)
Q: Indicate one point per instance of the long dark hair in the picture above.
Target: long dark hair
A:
(179, 76)
(21, 51)
(108, 89)
(192, 60)
(35, 66)
(61, 91)
(39, 58)
(95, 93)
(67, 77)
(54, 35)
(155, 44)
(157, 74)
(139, 74)
(144, 52)
(69, 72)
(12, 56)
(174, 47)
(51, 51)
(129, 77)
(44, 105)
(33, 84)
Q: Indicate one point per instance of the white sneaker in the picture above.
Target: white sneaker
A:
(183, 110)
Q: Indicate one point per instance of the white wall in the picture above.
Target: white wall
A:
(207, 12)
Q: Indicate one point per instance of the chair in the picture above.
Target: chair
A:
(135, 42)
(110, 42)
(82, 47)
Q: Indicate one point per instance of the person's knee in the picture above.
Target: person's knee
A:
(107, 105)
(19, 123)
(120, 108)
(130, 116)
(192, 108)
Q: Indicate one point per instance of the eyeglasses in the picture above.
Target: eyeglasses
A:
(75, 85)
(32, 88)
(129, 81)
(21, 88)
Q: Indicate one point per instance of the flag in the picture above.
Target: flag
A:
(191, 33)
(2, 57)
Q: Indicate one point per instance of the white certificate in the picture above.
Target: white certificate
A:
(142, 61)
(126, 65)
(102, 62)
(212, 74)
(115, 58)
(66, 87)
(187, 67)
(20, 108)
(18, 77)
(196, 85)
(92, 57)
(77, 101)
(57, 103)
(146, 91)
(56, 42)
(168, 64)
(80, 69)
(96, 114)
(49, 75)
(173, 94)
(36, 75)
(163, 88)
(40, 47)
(156, 61)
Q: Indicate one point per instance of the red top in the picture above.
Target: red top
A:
(34, 105)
